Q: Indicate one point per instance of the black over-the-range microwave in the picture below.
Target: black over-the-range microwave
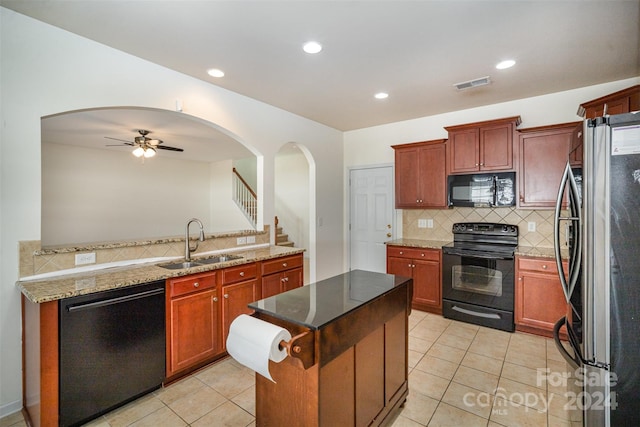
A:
(482, 190)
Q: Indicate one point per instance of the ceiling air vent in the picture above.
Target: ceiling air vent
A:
(473, 83)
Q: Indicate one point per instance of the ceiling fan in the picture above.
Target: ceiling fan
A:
(145, 146)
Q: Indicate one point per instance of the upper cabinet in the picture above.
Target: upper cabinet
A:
(482, 146)
(623, 101)
(420, 174)
(544, 152)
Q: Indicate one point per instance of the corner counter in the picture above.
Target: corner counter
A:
(349, 361)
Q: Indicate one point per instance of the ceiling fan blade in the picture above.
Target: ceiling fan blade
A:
(121, 140)
(154, 142)
(165, 147)
(116, 145)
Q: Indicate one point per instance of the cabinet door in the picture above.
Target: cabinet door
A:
(292, 279)
(433, 178)
(426, 283)
(400, 267)
(496, 147)
(194, 331)
(235, 299)
(271, 285)
(407, 177)
(543, 156)
(464, 151)
(540, 301)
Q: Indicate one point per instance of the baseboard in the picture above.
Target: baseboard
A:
(10, 408)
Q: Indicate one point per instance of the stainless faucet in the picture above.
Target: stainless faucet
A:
(187, 247)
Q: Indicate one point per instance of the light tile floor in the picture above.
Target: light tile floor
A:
(459, 375)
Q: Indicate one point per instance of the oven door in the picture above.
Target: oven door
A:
(478, 279)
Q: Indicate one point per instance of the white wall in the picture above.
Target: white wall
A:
(292, 195)
(45, 70)
(92, 195)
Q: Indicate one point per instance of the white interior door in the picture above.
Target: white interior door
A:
(371, 217)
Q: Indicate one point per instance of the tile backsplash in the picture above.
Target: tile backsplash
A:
(35, 260)
(443, 220)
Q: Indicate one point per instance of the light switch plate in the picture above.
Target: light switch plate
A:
(241, 241)
(429, 223)
(422, 223)
(531, 226)
(251, 239)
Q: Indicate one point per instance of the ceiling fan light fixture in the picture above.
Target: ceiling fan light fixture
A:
(149, 152)
(138, 152)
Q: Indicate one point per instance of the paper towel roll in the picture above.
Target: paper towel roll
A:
(253, 342)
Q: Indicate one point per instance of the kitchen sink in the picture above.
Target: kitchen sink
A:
(218, 258)
(202, 261)
(180, 265)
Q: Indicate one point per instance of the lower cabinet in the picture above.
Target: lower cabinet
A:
(239, 288)
(424, 267)
(281, 275)
(539, 299)
(193, 321)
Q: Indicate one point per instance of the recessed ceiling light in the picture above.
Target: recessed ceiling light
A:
(312, 47)
(214, 72)
(381, 95)
(505, 64)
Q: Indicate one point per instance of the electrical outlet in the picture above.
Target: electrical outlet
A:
(422, 223)
(89, 258)
(429, 223)
(531, 226)
(241, 240)
(251, 239)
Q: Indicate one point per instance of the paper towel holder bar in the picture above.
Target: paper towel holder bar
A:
(300, 347)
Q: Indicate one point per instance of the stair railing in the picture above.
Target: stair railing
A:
(245, 198)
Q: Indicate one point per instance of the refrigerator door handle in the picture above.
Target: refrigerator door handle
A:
(575, 361)
(574, 265)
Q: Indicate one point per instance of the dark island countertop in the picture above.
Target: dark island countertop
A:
(319, 304)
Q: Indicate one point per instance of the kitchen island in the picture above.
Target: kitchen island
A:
(348, 354)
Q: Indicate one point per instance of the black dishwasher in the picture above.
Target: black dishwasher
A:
(112, 349)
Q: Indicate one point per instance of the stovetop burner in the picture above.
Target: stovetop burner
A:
(483, 239)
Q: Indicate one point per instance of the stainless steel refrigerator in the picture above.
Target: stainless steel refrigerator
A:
(598, 215)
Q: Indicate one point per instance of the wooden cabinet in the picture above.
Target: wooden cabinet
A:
(482, 146)
(239, 288)
(623, 101)
(193, 321)
(544, 152)
(424, 267)
(420, 174)
(539, 299)
(281, 274)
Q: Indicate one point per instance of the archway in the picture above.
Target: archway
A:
(295, 200)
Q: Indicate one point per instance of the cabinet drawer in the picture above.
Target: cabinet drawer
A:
(413, 253)
(545, 265)
(281, 264)
(239, 273)
(194, 283)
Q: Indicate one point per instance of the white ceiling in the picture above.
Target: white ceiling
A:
(414, 50)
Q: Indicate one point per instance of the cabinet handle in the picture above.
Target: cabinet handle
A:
(284, 264)
(401, 252)
(242, 274)
(196, 284)
(215, 299)
(481, 164)
(226, 295)
(544, 266)
(286, 279)
(422, 254)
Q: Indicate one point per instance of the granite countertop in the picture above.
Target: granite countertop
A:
(335, 297)
(55, 288)
(419, 243)
(438, 244)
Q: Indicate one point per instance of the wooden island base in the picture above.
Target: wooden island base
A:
(357, 371)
